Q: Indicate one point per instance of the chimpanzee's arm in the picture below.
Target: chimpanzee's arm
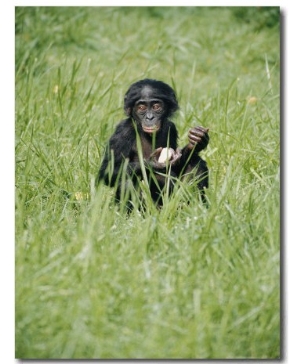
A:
(119, 149)
(198, 140)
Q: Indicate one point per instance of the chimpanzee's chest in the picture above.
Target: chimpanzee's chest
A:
(148, 146)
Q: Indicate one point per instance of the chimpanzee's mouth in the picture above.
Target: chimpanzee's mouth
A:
(150, 130)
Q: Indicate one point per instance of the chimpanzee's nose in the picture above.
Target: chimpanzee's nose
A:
(149, 116)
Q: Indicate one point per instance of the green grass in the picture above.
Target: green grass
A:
(184, 282)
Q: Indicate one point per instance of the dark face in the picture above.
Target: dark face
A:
(149, 111)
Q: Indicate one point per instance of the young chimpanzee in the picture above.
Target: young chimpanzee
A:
(135, 150)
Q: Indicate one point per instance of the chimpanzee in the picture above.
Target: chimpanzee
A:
(134, 151)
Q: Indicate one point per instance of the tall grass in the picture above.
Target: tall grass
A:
(183, 282)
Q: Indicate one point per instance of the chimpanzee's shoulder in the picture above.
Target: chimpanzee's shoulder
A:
(124, 130)
(170, 124)
(124, 124)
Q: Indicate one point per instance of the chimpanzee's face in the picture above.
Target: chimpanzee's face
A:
(149, 111)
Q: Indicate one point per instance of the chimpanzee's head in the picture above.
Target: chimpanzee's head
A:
(149, 102)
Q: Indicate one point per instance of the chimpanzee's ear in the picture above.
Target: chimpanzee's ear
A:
(128, 111)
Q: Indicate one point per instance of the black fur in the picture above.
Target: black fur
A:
(122, 145)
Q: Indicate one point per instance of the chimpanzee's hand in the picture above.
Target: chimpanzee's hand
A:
(153, 159)
(198, 138)
(161, 157)
(175, 158)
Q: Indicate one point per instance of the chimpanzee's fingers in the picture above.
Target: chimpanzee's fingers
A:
(175, 159)
(156, 152)
(201, 128)
(198, 132)
(178, 153)
(195, 138)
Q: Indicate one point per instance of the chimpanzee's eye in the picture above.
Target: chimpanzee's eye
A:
(142, 107)
(156, 106)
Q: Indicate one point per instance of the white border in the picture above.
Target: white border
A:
(290, 163)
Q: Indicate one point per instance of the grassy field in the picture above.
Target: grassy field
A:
(185, 282)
